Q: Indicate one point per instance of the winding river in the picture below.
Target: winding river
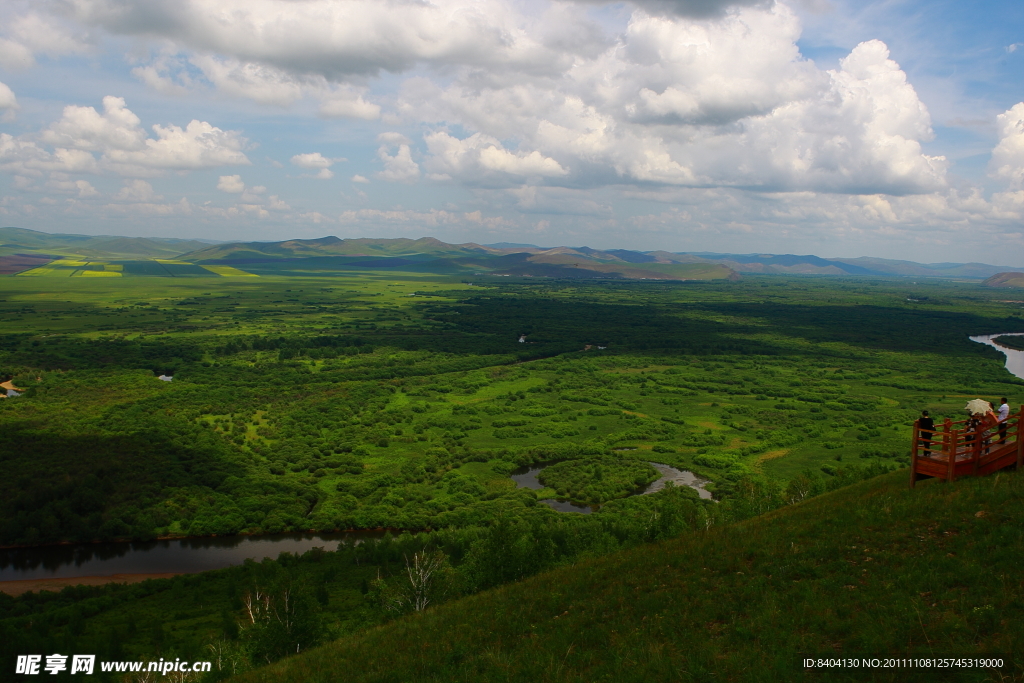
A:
(179, 556)
(1014, 358)
(193, 555)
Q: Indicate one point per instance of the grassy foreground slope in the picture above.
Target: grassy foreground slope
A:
(875, 569)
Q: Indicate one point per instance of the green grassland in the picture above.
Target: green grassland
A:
(404, 399)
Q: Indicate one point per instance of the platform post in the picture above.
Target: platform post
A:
(913, 455)
(951, 461)
(979, 443)
(1020, 442)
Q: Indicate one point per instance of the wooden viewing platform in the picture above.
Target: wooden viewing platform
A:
(954, 451)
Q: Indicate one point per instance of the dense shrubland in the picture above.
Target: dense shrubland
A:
(597, 480)
(361, 409)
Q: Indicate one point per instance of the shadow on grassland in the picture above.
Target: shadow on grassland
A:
(691, 328)
(105, 484)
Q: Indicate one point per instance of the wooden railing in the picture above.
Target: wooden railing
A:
(956, 449)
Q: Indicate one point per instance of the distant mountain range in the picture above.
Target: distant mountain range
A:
(864, 265)
(331, 254)
(295, 257)
(15, 240)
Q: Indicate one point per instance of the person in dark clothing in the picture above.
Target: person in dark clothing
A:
(927, 427)
(974, 428)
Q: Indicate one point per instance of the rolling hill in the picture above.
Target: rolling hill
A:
(330, 254)
(534, 261)
(792, 264)
(22, 241)
(872, 570)
(20, 249)
(1013, 279)
(334, 246)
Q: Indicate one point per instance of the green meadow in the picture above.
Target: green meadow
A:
(404, 400)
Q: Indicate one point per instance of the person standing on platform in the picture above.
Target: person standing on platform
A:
(926, 427)
(1002, 416)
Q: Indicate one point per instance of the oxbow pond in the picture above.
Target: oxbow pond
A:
(526, 477)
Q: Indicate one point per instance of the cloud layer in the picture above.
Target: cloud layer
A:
(698, 93)
(727, 102)
(500, 112)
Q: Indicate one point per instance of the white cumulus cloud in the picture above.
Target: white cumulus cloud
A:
(84, 140)
(328, 38)
(24, 157)
(197, 145)
(60, 182)
(14, 55)
(398, 167)
(251, 80)
(346, 103)
(316, 161)
(85, 128)
(481, 158)
(1008, 156)
(726, 101)
(231, 183)
(7, 98)
(312, 160)
(137, 191)
(686, 8)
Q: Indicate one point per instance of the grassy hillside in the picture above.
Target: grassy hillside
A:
(35, 254)
(872, 570)
(334, 246)
(427, 255)
(1005, 280)
(22, 241)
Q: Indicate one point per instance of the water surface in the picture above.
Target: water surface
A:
(569, 506)
(679, 478)
(526, 478)
(180, 556)
(1014, 358)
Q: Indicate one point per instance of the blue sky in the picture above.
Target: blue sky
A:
(891, 129)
